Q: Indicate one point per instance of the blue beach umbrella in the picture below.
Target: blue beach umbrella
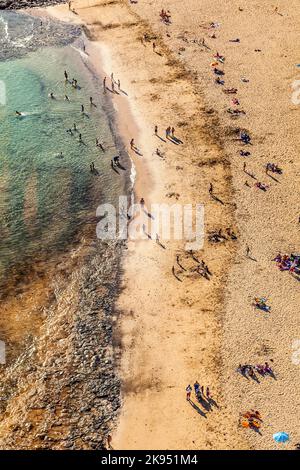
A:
(281, 437)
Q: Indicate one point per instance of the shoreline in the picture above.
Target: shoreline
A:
(72, 308)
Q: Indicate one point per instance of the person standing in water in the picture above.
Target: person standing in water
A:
(82, 108)
(66, 75)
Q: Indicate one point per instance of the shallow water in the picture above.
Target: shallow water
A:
(46, 197)
(20, 33)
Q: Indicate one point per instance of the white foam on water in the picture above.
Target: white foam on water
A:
(80, 51)
(5, 26)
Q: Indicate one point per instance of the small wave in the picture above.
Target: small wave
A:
(5, 27)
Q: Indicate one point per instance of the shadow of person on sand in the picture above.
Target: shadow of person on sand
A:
(148, 214)
(115, 92)
(201, 413)
(204, 403)
(213, 402)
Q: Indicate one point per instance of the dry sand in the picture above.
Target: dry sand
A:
(173, 333)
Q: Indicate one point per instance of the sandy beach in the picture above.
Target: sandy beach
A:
(173, 326)
(172, 333)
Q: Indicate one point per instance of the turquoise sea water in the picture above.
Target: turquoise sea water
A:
(45, 198)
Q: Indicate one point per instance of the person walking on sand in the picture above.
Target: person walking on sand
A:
(112, 86)
(207, 393)
(112, 77)
(172, 131)
(153, 46)
(104, 84)
(142, 202)
(132, 144)
(155, 130)
(168, 130)
(188, 392)
(69, 5)
(119, 85)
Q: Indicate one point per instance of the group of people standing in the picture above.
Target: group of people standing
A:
(199, 391)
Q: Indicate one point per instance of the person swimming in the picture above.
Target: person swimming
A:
(18, 113)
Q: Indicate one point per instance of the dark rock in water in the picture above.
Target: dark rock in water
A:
(17, 4)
